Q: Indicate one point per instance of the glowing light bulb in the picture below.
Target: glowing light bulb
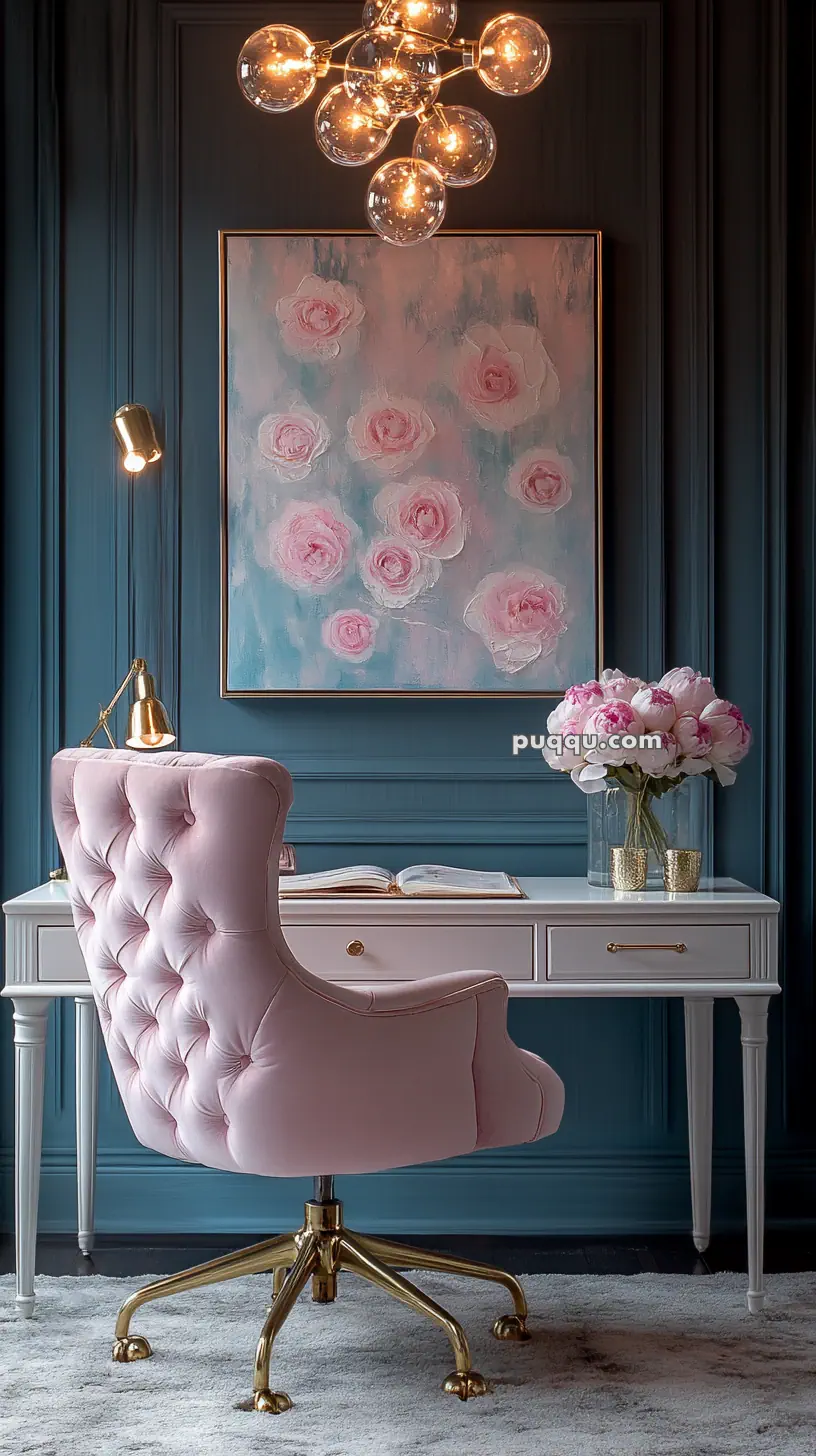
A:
(134, 462)
(277, 68)
(392, 73)
(432, 17)
(459, 142)
(514, 55)
(347, 134)
(406, 201)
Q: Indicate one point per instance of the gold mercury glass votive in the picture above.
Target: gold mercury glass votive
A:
(628, 867)
(681, 870)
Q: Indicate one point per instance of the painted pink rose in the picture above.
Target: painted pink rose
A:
(656, 708)
(541, 480)
(395, 573)
(731, 737)
(424, 512)
(292, 441)
(504, 376)
(389, 432)
(690, 690)
(350, 634)
(519, 613)
(693, 736)
(312, 545)
(321, 320)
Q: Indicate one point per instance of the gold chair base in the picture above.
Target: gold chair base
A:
(317, 1253)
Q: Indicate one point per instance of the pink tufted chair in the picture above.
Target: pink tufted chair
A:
(228, 1052)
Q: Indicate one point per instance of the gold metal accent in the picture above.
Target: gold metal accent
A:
(134, 1348)
(136, 435)
(58, 874)
(615, 945)
(467, 1384)
(681, 870)
(149, 725)
(318, 1251)
(223, 239)
(628, 867)
(355, 948)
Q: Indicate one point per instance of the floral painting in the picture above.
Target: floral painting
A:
(410, 455)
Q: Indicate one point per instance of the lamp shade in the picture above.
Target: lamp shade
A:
(136, 433)
(148, 723)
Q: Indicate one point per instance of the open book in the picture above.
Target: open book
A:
(425, 880)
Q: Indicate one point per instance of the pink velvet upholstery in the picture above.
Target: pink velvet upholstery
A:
(225, 1050)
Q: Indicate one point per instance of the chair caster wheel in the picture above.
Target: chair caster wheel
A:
(133, 1347)
(467, 1384)
(511, 1327)
(272, 1402)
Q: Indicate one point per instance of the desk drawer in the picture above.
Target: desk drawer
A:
(712, 952)
(409, 952)
(59, 957)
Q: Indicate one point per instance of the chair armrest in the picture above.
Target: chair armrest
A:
(432, 992)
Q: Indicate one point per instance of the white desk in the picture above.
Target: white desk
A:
(565, 939)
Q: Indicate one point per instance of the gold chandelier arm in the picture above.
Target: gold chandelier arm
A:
(138, 665)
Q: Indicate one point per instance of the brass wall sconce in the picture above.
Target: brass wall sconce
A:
(148, 723)
(136, 434)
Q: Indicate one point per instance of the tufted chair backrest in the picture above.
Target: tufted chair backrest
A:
(172, 864)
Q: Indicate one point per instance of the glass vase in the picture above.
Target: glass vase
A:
(675, 819)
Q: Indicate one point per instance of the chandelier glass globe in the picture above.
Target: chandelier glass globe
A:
(347, 134)
(406, 201)
(514, 55)
(392, 73)
(459, 142)
(431, 17)
(276, 68)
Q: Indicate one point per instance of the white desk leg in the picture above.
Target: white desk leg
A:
(30, 1026)
(699, 1091)
(87, 1073)
(754, 1013)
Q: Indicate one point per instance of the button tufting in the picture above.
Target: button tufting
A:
(131, 814)
(210, 926)
(245, 1061)
(189, 817)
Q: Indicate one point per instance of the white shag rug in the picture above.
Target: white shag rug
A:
(647, 1365)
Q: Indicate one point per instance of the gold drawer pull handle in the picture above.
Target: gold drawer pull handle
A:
(355, 948)
(614, 946)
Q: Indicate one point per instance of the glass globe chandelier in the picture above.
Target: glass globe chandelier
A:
(393, 70)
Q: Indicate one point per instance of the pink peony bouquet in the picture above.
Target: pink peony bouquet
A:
(645, 738)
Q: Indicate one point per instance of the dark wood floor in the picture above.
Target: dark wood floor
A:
(165, 1254)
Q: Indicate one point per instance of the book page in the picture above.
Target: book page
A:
(367, 879)
(443, 880)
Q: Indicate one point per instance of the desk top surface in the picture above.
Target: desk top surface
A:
(571, 891)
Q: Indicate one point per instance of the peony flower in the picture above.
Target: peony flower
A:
(591, 779)
(292, 440)
(693, 737)
(350, 634)
(579, 701)
(616, 685)
(731, 737)
(656, 708)
(312, 545)
(519, 614)
(389, 431)
(504, 376)
(426, 513)
(567, 759)
(612, 717)
(321, 320)
(690, 690)
(658, 761)
(541, 480)
(395, 573)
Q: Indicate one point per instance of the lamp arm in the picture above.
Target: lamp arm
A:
(138, 665)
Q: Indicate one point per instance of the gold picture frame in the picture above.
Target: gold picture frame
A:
(227, 691)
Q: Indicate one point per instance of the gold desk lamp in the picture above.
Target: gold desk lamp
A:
(149, 725)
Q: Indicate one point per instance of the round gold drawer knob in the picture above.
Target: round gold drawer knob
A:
(355, 948)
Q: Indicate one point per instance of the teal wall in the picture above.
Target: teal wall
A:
(663, 123)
